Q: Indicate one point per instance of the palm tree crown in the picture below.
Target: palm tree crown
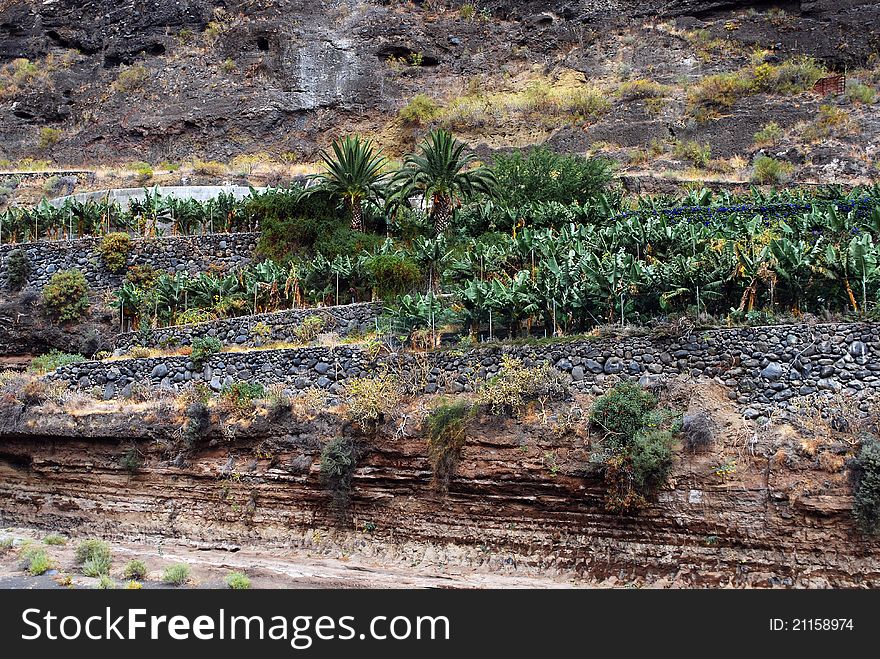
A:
(441, 173)
(354, 173)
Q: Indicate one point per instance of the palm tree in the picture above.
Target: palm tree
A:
(354, 173)
(440, 172)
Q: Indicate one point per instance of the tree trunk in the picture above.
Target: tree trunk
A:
(441, 213)
(357, 214)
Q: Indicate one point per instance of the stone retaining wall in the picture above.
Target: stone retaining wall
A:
(192, 254)
(765, 366)
(280, 326)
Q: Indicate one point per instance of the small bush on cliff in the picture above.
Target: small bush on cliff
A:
(446, 427)
(203, 348)
(368, 400)
(198, 420)
(517, 384)
(238, 581)
(17, 269)
(636, 448)
(308, 330)
(176, 575)
(135, 569)
(114, 250)
(620, 413)
(131, 460)
(240, 396)
(54, 539)
(52, 360)
(865, 477)
(67, 295)
(338, 462)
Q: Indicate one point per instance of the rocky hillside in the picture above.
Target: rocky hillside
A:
(98, 82)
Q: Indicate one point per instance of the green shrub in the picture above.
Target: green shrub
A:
(856, 92)
(241, 395)
(6, 544)
(91, 549)
(393, 275)
(49, 137)
(135, 569)
(34, 560)
(96, 566)
(698, 154)
(542, 175)
(865, 477)
(446, 428)
(633, 90)
(17, 269)
(651, 455)
(131, 78)
(515, 385)
(52, 360)
(238, 581)
(338, 462)
(369, 399)
(143, 171)
(67, 295)
(131, 460)
(177, 574)
(769, 135)
(308, 330)
(620, 414)
(769, 170)
(203, 348)
(54, 539)
(114, 250)
(420, 110)
(106, 583)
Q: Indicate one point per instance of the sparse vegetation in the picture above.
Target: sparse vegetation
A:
(34, 560)
(55, 539)
(131, 78)
(17, 269)
(94, 557)
(338, 463)
(420, 110)
(176, 575)
(240, 395)
(49, 137)
(640, 89)
(369, 399)
(67, 295)
(769, 170)
(238, 581)
(865, 476)
(769, 135)
(135, 569)
(52, 360)
(446, 427)
(696, 153)
(309, 329)
(203, 348)
(515, 385)
(857, 92)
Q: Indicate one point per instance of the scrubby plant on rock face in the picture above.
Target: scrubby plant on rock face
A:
(517, 384)
(203, 348)
(240, 396)
(94, 557)
(176, 575)
(636, 449)
(67, 295)
(52, 360)
(135, 569)
(308, 330)
(865, 477)
(238, 581)
(338, 462)
(114, 250)
(368, 400)
(446, 428)
(17, 269)
(696, 432)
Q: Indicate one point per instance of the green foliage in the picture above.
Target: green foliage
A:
(96, 567)
(135, 569)
(651, 455)
(238, 581)
(106, 583)
(241, 395)
(49, 137)
(52, 360)
(369, 399)
(114, 250)
(67, 295)
(54, 539)
(393, 275)
(516, 384)
(91, 549)
(131, 460)
(769, 134)
(203, 348)
(292, 222)
(541, 176)
(34, 560)
(865, 475)
(641, 88)
(338, 462)
(446, 427)
(769, 170)
(857, 92)
(17, 269)
(309, 329)
(176, 575)
(697, 154)
(620, 413)
(143, 171)
(131, 78)
(420, 110)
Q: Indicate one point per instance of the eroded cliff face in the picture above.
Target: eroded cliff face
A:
(525, 500)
